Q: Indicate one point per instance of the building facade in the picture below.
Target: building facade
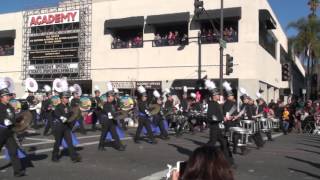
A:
(161, 44)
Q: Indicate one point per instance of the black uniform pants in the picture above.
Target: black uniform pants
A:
(108, 125)
(34, 118)
(81, 125)
(257, 138)
(216, 135)
(7, 139)
(95, 117)
(144, 121)
(61, 131)
(47, 118)
(159, 122)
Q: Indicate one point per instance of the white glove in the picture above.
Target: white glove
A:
(7, 122)
(147, 112)
(63, 119)
(110, 115)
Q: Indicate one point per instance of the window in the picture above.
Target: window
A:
(127, 38)
(171, 35)
(6, 46)
(211, 35)
(268, 41)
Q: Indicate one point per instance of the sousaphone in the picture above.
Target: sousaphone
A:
(8, 83)
(155, 109)
(31, 85)
(23, 122)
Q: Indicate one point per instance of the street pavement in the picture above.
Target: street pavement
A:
(292, 157)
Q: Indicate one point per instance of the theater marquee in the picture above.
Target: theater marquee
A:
(54, 18)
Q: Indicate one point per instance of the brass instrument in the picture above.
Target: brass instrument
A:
(76, 114)
(23, 122)
(155, 109)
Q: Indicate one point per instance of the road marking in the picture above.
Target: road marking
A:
(39, 139)
(50, 149)
(156, 176)
(162, 174)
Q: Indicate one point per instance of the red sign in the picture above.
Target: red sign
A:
(54, 18)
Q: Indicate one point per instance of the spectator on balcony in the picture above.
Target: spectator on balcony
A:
(171, 38)
(184, 39)
(157, 40)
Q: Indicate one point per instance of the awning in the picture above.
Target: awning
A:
(266, 18)
(168, 18)
(8, 34)
(228, 13)
(124, 22)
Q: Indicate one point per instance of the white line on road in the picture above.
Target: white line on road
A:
(80, 145)
(39, 139)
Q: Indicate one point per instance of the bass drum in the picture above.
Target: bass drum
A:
(85, 103)
(126, 103)
(16, 105)
(55, 100)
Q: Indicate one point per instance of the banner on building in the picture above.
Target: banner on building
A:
(53, 18)
(54, 68)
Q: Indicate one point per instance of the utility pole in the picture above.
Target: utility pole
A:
(221, 49)
(199, 65)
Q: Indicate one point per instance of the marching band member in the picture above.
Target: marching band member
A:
(231, 118)
(97, 109)
(215, 118)
(75, 102)
(158, 118)
(262, 111)
(62, 128)
(7, 120)
(46, 110)
(143, 117)
(109, 123)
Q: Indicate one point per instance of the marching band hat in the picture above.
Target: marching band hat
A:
(65, 94)
(5, 92)
(110, 93)
(215, 92)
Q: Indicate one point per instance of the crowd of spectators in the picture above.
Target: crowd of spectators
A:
(297, 115)
(135, 42)
(6, 50)
(171, 39)
(213, 36)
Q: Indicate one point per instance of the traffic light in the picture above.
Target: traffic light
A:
(229, 64)
(198, 7)
(285, 72)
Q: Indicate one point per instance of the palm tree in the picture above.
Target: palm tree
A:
(306, 43)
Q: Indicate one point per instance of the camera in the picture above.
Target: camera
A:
(181, 166)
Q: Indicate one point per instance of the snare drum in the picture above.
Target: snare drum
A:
(250, 125)
(275, 123)
(264, 124)
(242, 141)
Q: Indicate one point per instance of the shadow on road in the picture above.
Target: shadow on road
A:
(199, 143)
(316, 165)
(311, 145)
(182, 150)
(306, 173)
(306, 150)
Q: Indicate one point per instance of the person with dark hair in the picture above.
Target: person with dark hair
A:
(205, 163)
(75, 102)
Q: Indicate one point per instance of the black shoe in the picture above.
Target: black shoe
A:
(19, 174)
(245, 151)
(136, 140)
(76, 159)
(165, 137)
(55, 159)
(153, 141)
(101, 148)
(121, 148)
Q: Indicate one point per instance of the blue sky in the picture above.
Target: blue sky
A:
(286, 10)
